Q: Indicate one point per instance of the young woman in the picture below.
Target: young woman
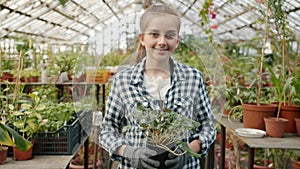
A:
(182, 90)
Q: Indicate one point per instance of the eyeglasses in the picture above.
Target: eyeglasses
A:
(168, 36)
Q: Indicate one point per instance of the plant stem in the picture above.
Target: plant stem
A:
(262, 53)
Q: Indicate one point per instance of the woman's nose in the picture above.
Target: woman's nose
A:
(162, 39)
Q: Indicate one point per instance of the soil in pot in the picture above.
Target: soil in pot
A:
(275, 127)
(3, 154)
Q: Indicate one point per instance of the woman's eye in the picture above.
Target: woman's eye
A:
(170, 36)
(155, 35)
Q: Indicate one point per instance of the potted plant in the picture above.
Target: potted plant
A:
(64, 62)
(6, 68)
(9, 137)
(282, 86)
(295, 159)
(27, 119)
(164, 130)
(30, 74)
(263, 159)
(279, 20)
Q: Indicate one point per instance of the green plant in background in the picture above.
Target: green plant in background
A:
(62, 62)
(7, 65)
(30, 72)
(187, 55)
(286, 89)
(57, 115)
(9, 137)
(281, 157)
(28, 119)
(114, 58)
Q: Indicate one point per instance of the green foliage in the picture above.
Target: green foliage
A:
(114, 58)
(57, 114)
(63, 2)
(10, 137)
(30, 72)
(185, 54)
(7, 65)
(163, 127)
(285, 88)
(28, 119)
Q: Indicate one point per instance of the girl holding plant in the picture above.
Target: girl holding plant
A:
(157, 81)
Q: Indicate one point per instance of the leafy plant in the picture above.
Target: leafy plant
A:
(30, 72)
(164, 127)
(57, 115)
(7, 65)
(9, 136)
(283, 86)
(28, 118)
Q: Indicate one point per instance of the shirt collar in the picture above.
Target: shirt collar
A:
(137, 75)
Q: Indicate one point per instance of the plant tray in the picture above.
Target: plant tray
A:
(64, 141)
(96, 76)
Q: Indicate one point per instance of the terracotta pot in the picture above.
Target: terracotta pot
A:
(22, 155)
(297, 123)
(34, 79)
(90, 166)
(7, 76)
(275, 127)
(290, 112)
(295, 164)
(253, 114)
(26, 79)
(3, 154)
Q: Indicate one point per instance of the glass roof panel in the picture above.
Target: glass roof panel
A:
(79, 19)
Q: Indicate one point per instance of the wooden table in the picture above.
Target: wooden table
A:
(289, 141)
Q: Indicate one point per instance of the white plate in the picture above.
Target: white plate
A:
(249, 132)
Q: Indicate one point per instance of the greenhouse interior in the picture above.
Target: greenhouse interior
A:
(75, 95)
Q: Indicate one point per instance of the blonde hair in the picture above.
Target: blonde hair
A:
(160, 9)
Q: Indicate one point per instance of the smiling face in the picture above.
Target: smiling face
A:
(160, 36)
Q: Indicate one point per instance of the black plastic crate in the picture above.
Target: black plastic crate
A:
(65, 141)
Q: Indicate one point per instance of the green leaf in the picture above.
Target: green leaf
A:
(20, 142)
(5, 138)
(40, 107)
(26, 106)
(18, 113)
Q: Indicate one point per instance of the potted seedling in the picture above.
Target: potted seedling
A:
(164, 130)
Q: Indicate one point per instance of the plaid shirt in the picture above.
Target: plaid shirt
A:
(187, 96)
